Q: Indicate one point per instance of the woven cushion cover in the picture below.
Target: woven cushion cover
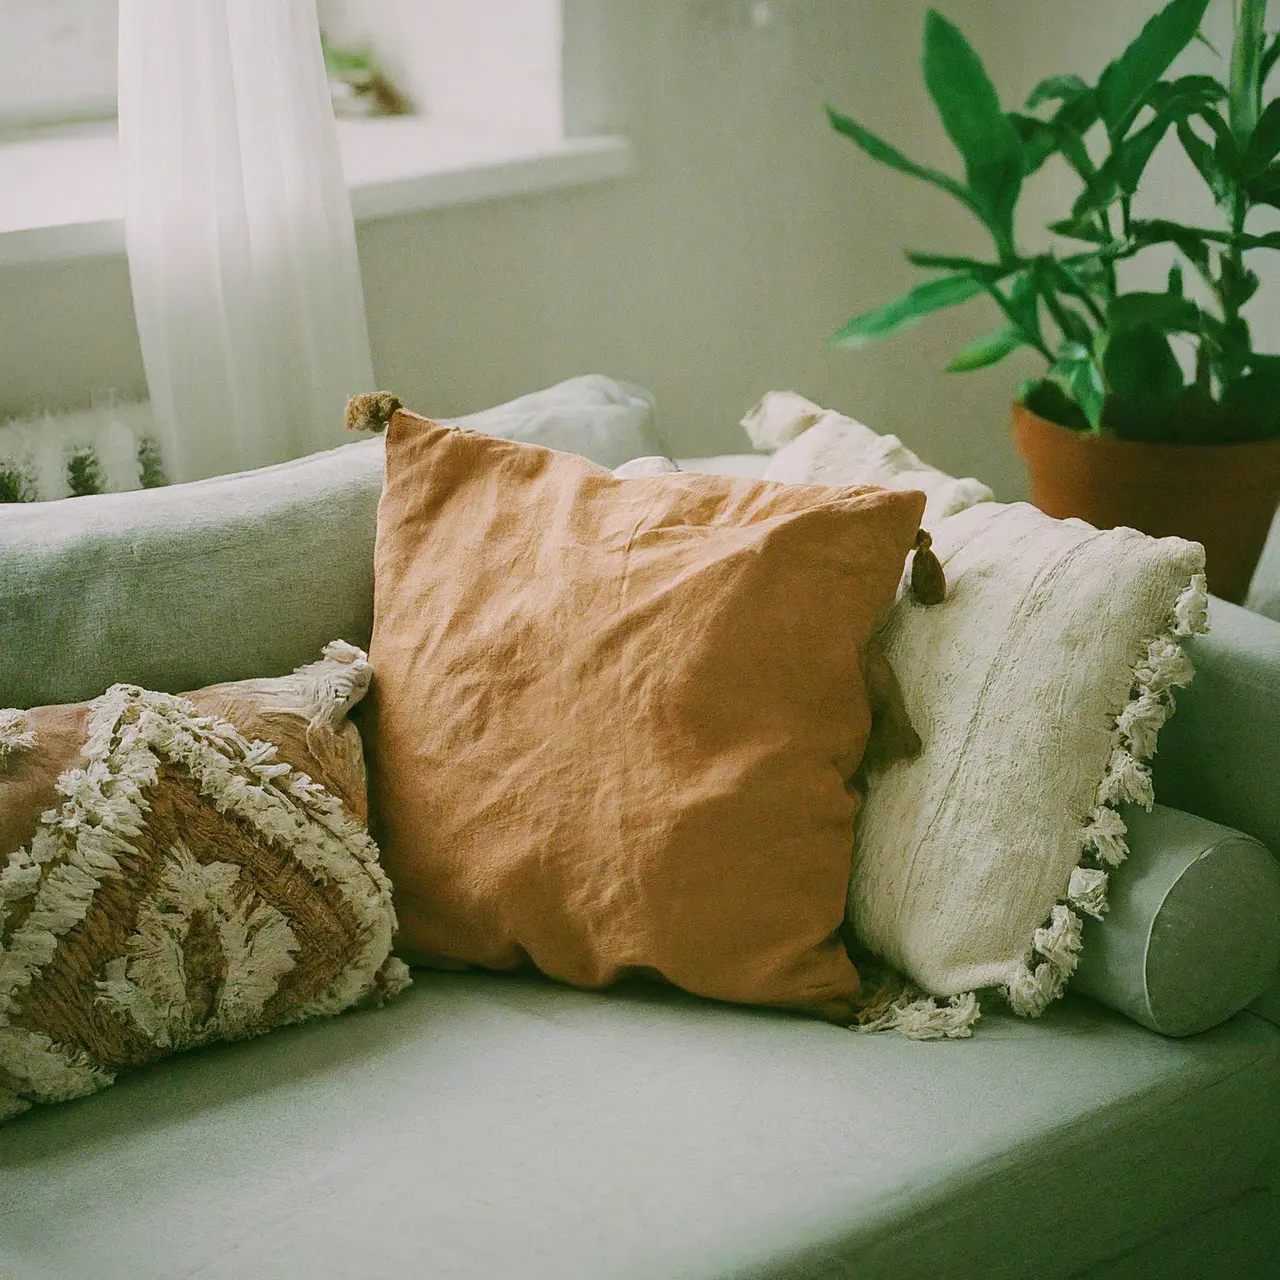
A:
(485, 1126)
(180, 870)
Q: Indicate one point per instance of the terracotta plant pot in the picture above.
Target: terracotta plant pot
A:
(1223, 495)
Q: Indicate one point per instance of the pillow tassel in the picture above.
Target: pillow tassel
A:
(15, 733)
(371, 411)
(928, 582)
(925, 1018)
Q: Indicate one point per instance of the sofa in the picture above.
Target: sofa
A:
(486, 1125)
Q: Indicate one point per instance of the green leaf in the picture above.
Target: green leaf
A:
(988, 350)
(1024, 306)
(1252, 402)
(1226, 152)
(1223, 139)
(1238, 283)
(1175, 280)
(974, 120)
(1205, 159)
(1236, 344)
(1136, 152)
(1139, 365)
(986, 271)
(1073, 326)
(1047, 397)
(878, 149)
(1124, 84)
(1264, 146)
(1268, 62)
(1255, 396)
(1247, 49)
(1044, 138)
(908, 310)
(1122, 171)
(1164, 312)
(1186, 93)
(1079, 371)
(1057, 89)
(1037, 138)
(1265, 188)
(1194, 241)
(1087, 228)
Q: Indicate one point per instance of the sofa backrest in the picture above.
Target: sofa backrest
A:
(222, 579)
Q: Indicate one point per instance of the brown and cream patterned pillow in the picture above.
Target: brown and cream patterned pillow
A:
(178, 870)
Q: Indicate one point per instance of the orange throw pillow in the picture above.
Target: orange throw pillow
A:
(612, 720)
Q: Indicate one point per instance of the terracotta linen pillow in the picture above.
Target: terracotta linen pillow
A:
(177, 870)
(612, 719)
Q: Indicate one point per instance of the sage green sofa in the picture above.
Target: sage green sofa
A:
(504, 1126)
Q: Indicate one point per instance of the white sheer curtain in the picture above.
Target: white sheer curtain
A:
(242, 251)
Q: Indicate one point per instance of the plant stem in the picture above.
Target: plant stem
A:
(1078, 291)
(1055, 310)
(1032, 340)
(1230, 273)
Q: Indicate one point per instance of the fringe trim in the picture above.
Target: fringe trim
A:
(925, 1019)
(130, 729)
(15, 733)
(340, 681)
(388, 982)
(245, 779)
(1055, 951)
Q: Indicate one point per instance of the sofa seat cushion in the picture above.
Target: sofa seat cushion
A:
(499, 1126)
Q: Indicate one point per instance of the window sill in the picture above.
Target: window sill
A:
(61, 194)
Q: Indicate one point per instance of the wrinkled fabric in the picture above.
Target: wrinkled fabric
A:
(613, 719)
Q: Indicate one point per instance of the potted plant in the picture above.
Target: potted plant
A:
(1118, 430)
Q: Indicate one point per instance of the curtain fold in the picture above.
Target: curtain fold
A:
(242, 252)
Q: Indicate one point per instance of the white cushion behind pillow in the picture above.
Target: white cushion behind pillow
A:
(820, 446)
(607, 421)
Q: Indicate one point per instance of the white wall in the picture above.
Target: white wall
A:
(748, 232)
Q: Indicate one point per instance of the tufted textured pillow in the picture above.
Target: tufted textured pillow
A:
(178, 870)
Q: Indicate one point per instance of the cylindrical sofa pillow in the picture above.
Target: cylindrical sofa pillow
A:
(1193, 931)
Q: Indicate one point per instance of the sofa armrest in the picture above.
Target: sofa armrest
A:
(1219, 755)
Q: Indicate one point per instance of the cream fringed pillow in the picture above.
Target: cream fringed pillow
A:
(1038, 688)
(178, 870)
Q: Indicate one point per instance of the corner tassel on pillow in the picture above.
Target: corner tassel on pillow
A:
(928, 582)
(15, 733)
(371, 411)
(925, 1018)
